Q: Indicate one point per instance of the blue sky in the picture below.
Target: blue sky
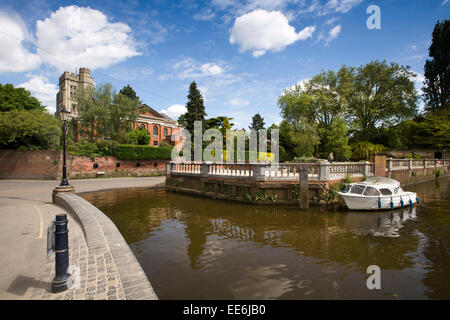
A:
(242, 54)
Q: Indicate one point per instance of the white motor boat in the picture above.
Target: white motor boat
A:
(377, 193)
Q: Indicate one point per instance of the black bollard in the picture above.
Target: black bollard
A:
(62, 280)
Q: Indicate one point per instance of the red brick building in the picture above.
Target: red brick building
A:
(159, 125)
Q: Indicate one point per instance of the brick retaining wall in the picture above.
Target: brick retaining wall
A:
(46, 165)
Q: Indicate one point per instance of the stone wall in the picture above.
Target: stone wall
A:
(46, 165)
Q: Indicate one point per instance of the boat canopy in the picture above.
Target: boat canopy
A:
(382, 180)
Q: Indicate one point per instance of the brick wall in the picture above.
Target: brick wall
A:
(46, 165)
(37, 164)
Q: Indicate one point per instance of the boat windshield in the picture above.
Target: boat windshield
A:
(371, 191)
(347, 188)
(358, 189)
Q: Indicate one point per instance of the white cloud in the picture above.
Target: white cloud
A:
(75, 36)
(188, 68)
(333, 34)
(341, 6)
(260, 31)
(444, 2)
(41, 89)
(174, 111)
(205, 15)
(13, 56)
(238, 102)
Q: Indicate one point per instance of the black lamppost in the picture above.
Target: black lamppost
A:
(64, 116)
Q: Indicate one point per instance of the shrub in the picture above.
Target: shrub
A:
(92, 149)
(364, 150)
(133, 152)
(138, 137)
(29, 129)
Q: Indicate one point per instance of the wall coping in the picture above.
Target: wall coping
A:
(102, 235)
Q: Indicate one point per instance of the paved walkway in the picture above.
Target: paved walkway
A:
(25, 271)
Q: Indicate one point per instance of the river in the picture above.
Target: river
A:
(198, 248)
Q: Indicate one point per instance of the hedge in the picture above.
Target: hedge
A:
(134, 152)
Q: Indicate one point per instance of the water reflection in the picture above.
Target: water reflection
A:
(197, 248)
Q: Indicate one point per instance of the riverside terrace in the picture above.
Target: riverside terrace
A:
(290, 183)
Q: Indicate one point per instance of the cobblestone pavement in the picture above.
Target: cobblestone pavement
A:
(95, 276)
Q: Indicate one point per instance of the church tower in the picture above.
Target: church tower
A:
(69, 86)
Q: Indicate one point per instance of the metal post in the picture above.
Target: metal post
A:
(62, 280)
(64, 181)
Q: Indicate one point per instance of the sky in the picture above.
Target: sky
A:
(241, 54)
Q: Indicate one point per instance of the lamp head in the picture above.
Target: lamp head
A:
(64, 114)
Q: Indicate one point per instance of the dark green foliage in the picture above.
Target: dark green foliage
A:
(132, 152)
(29, 129)
(129, 92)
(257, 122)
(139, 136)
(430, 130)
(437, 71)
(195, 109)
(364, 150)
(92, 149)
(17, 99)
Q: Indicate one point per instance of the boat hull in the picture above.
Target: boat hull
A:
(360, 202)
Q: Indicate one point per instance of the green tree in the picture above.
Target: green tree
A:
(381, 95)
(17, 99)
(129, 92)
(318, 100)
(195, 109)
(437, 71)
(338, 140)
(105, 114)
(428, 131)
(257, 122)
(299, 140)
(29, 129)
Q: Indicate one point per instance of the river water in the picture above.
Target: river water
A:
(198, 248)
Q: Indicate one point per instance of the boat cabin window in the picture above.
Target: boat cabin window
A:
(386, 192)
(347, 188)
(371, 191)
(358, 189)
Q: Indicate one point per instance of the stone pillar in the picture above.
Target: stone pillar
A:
(168, 168)
(259, 172)
(367, 170)
(204, 169)
(324, 171)
(389, 164)
(303, 188)
(425, 163)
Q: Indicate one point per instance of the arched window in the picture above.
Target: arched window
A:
(155, 130)
(165, 132)
(143, 126)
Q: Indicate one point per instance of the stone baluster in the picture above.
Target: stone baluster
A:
(324, 171)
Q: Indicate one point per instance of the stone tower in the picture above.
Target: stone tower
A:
(69, 86)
